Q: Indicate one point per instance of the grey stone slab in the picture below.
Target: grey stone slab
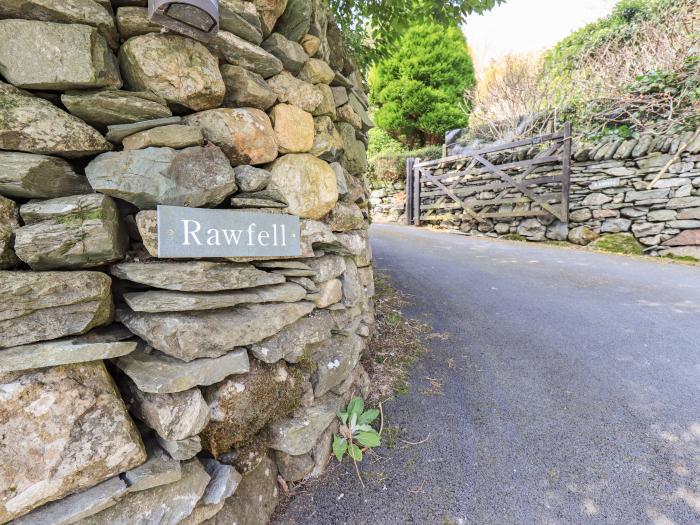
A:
(39, 176)
(195, 176)
(160, 374)
(291, 53)
(163, 505)
(211, 333)
(60, 352)
(77, 506)
(108, 107)
(33, 125)
(159, 469)
(224, 481)
(240, 18)
(39, 306)
(118, 132)
(170, 301)
(181, 449)
(298, 434)
(195, 276)
(239, 52)
(335, 360)
(290, 342)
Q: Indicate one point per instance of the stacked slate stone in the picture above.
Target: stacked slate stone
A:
(142, 390)
(610, 195)
(388, 201)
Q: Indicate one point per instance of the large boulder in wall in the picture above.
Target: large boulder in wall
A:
(37, 306)
(46, 55)
(296, 19)
(88, 12)
(81, 231)
(179, 69)
(34, 125)
(64, 429)
(308, 183)
(197, 176)
(244, 134)
(269, 11)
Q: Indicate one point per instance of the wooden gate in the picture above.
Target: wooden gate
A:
(526, 178)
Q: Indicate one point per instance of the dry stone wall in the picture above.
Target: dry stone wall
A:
(138, 390)
(610, 194)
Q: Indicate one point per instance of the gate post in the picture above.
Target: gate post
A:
(416, 193)
(566, 175)
(409, 190)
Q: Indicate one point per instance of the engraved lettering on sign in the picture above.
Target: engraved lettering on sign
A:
(198, 232)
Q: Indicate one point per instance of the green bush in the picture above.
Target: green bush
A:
(391, 166)
(380, 142)
(418, 88)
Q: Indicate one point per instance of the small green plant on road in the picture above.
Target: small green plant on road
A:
(355, 430)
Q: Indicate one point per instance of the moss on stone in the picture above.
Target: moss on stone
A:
(306, 363)
(624, 243)
(268, 393)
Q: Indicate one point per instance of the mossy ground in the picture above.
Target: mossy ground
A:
(624, 243)
(395, 344)
(513, 237)
(681, 258)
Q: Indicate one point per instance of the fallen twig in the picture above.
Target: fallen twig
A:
(417, 442)
(357, 470)
(670, 163)
(381, 421)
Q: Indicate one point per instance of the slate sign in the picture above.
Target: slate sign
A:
(200, 232)
(605, 183)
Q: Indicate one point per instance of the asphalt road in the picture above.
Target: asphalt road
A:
(565, 390)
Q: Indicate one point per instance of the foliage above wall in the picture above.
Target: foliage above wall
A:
(620, 27)
(635, 70)
(371, 27)
(418, 88)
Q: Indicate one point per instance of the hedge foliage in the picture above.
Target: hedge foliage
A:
(387, 157)
(620, 26)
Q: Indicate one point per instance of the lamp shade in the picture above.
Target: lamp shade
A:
(198, 19)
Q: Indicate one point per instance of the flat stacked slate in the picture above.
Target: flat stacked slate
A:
(173, 391)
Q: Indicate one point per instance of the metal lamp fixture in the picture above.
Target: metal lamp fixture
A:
(198, 19)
